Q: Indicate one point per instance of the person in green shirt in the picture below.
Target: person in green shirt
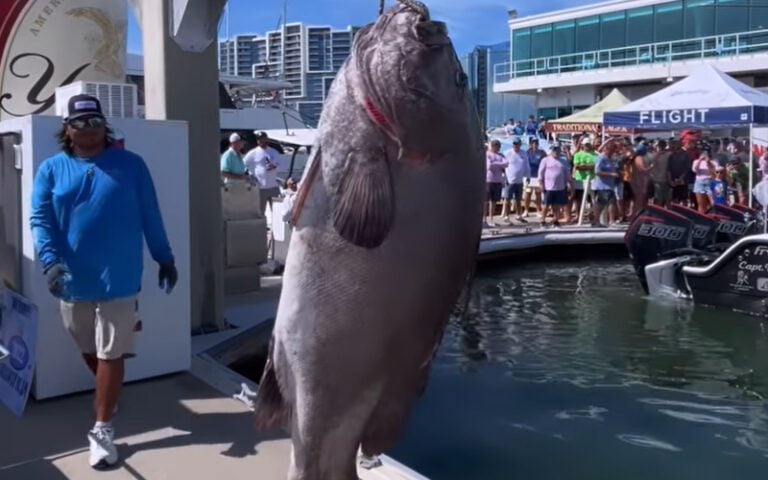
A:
(232, 165)
(583, 170)
(738, 174)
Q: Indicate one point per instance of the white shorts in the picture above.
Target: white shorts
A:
(104, 329)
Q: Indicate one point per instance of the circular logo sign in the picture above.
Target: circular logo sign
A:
(19, 353)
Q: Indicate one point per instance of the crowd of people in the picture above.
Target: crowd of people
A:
(531, 128)
(621, 175)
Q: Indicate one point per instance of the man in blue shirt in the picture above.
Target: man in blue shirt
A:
(531, 128)
(93, 205)
(534, 156)
(604, 184)
(232, 163)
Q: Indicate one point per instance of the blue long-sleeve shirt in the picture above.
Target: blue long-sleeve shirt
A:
(92, 216)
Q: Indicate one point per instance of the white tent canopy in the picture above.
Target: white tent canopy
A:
(708, 98)
(594, 114)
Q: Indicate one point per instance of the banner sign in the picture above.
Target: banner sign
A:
(596, 128)
(49, 43)
(681, 118)
(18, 335)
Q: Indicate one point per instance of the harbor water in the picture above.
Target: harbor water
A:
(566, 371)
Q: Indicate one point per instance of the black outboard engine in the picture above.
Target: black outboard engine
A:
(654, 232)
(704, 233)
(734, 224)
(745, 209)
(738, 279)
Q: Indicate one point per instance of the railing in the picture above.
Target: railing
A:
(649, 54)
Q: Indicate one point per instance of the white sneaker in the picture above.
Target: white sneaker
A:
(103, 450)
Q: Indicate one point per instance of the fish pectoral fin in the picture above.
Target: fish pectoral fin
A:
(365, 206)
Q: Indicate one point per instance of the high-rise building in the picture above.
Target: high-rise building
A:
(493, 108)
(313, 55)
(237, 55)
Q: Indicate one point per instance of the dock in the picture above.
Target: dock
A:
(508, 240)
(183, 426)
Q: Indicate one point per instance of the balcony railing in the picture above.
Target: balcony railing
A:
(650, 54)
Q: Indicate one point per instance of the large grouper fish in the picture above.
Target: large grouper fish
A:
(387, 223)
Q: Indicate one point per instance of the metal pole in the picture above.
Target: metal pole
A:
(584, 201)
(285, 39)
(751, 162)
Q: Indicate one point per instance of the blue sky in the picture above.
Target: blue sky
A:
(470, 22)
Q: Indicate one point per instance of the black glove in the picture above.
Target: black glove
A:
(168, 277)
(56, 276)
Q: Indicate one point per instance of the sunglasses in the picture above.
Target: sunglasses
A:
(90, 122)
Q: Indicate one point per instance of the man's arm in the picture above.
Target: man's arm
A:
(526, 168)
(45, 230)
(250, 162)
(585, 167)
(152, 219)
(579, 165)
(274, 159)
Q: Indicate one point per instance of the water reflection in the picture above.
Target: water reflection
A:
(590, 325)
(647, 442)
(571, 361)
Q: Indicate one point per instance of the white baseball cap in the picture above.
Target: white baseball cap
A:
(587, 140)
(234, 138)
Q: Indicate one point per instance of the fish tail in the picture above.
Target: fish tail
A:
(270, 408)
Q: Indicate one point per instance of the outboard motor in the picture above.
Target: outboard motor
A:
(704, 233)
(654, 232)
(734, 224)
(745, 209)
(738, 279)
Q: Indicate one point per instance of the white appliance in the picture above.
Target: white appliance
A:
(164, 345)
(117, 99)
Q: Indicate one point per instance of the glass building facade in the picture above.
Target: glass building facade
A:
(494, 109)
(620, 32)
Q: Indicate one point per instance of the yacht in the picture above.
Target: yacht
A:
(245, 104)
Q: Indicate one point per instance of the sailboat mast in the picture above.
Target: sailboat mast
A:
(227, 21)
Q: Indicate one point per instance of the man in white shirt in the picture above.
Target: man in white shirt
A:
(262, 163)
(517, 172)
